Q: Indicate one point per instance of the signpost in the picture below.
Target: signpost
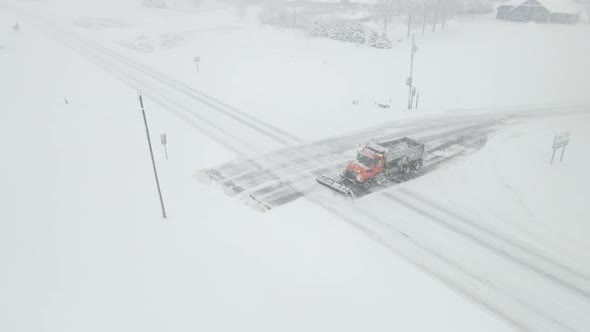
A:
(197, 59)
(560, 141)
(164, 141)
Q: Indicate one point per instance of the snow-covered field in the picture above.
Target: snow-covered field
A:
(511, 185)
(278, 74)
(82, 242)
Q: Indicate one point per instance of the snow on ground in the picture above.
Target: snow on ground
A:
(511, 186)
(82, 210)
(278, 74)
(83, 247)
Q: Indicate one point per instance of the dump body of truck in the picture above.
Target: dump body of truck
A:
(376, 162)
(397, 150)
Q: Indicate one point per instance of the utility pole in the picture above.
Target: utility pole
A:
(147, 131)
(436, 8)
(409, 80)
(442, 25)
(425, 17)
(409, 24)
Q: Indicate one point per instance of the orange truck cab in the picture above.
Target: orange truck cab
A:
(366, 166)
(381, 160)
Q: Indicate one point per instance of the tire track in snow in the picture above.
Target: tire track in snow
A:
(495, 242)
(509, 240)
(558, 317)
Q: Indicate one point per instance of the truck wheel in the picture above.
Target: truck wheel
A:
(366, 185)
(417, 165)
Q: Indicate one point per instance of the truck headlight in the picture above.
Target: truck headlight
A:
(358, 177)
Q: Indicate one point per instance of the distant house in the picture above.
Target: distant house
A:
(541, 11)
(359, 4)
(317, 3)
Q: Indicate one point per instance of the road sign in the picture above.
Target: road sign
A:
(561, 139)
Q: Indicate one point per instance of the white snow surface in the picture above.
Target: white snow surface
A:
(510, 185)
(83, 246)
(82, 243)
(280, 73)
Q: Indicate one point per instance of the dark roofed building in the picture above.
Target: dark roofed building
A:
(542, 11)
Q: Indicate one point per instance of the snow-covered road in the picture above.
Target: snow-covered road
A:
(210, 116)
(493, 269)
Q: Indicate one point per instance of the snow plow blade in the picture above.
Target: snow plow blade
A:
(334, 185)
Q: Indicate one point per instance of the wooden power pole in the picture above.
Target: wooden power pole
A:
(147, 131)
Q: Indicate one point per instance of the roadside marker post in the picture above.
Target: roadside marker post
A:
(164, 141)
(410, 78)
(197, 59)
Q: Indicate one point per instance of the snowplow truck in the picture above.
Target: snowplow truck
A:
(377, 162)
